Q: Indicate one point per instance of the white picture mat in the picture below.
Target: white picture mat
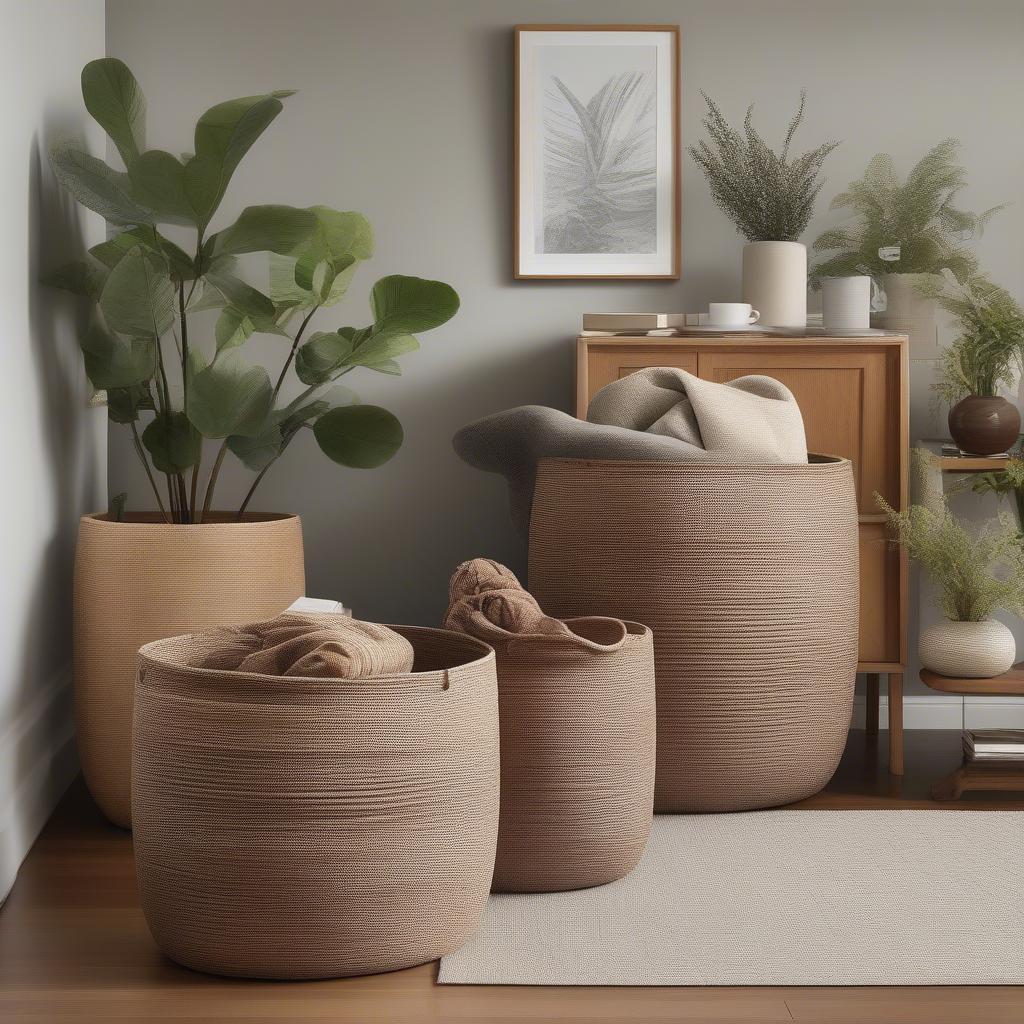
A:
(531, 142)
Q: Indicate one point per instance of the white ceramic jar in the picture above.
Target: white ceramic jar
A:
(967, 650)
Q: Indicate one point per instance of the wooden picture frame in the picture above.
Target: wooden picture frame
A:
(621, 222)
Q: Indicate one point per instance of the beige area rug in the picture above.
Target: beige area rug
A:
(778, 898)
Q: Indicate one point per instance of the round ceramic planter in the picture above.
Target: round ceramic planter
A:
(984, 426)
(967, 650)
(143, 580)
(775, 282)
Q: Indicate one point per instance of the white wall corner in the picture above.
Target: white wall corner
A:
(38, 761)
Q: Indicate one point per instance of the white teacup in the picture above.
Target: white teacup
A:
(732, 314)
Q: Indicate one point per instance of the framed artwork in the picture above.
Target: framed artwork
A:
(597, 151)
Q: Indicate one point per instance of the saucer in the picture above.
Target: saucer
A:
(728, 329)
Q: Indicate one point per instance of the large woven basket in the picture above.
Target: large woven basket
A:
(309, 828)
(748, 576)
(577, 757)
(142, 580)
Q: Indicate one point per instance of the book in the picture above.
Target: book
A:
(994, 744)
(632, 321)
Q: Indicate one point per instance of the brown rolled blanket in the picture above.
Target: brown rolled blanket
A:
(328, 646)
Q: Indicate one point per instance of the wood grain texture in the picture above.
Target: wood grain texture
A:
(74, 946)
(1009, 684)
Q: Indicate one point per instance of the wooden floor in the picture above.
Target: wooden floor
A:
(74, 946)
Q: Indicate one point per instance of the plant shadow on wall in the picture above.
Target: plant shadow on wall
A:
(170, 392)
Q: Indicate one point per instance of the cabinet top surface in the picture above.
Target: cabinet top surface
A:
(810, 339)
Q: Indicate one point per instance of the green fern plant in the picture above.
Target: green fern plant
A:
(989, 350)
(976, 574)
(916, 217)
(769, 196)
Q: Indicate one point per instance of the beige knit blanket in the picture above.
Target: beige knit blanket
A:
(325, 646)
(486, 600)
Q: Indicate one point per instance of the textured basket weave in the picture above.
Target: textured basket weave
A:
(312, 828)
(748, 576)
(142, 580)
(577, 758)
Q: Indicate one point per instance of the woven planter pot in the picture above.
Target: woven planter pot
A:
(748, 576)
(142, 580)
(577, 758)
(312, 828)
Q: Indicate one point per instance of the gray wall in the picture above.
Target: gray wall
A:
(404, 112)
(54, 444)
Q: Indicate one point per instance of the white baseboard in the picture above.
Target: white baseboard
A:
(952, 712)
(38, 761)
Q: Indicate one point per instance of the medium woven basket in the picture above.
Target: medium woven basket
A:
(144, 579)
(748, 576)
(577, 757)
(312, 828)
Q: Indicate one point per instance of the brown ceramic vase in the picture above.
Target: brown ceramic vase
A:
(984, 425)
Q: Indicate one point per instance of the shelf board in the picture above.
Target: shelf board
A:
(962, 463)
(1009, 684)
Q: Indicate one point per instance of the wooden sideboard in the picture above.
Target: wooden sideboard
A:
(853, 393)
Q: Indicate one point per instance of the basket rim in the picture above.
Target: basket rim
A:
(817, 462)
(150, 652)
(154, 520)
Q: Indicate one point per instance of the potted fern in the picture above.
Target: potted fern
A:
(987, 354)
(976, 575)
(190, 398)
(769, 196)
(903, 234)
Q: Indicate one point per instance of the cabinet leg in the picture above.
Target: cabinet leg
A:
(895, 723)
(950, 787)
(871, 706)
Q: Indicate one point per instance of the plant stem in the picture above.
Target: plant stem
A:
(195, 485)
(140, 451)
(252, 490)
(184, 346)
(175, 515)
(213, 479)
(291, 354)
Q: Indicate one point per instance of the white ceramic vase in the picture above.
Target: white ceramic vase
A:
(967, 650)
(775, 282)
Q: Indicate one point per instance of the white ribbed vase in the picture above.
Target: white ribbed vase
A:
(775, 282)
(967, 650)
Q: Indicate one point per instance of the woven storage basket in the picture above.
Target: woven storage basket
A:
(577, 757)
(748, 576)
(142, 580)
(311, 828)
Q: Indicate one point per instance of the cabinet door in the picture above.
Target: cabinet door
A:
(845, 401)
(605, 363)
(879, 596)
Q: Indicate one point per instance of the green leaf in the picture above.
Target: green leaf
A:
(124, 404)
(340, 233)
(112, 251)
(229, 396)
(382, 348)
(112, 362)
(320, 356)
(224, 134)
(260, 450)
(113, 97)
(96, 186)
(241, 295)
(233, 328)
(359, 436)
(283, 287)
(389, 366)
(138, 298)
(80, 277)
(157, 181)
(172, 441)
(408, 305)
(276, 229)
(206, 297)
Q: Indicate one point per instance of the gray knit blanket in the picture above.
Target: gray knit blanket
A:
(658, 414)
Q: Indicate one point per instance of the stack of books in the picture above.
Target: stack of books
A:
(994, 745)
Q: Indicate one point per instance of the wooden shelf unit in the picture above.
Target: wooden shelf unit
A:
(853, 393)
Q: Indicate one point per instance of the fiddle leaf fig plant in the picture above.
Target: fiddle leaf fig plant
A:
(143, 348)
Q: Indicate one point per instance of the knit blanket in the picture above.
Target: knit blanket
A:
(325, 646)
(657, 414)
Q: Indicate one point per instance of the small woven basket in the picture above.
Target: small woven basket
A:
(577, 756)
(312, 828)
(748, 576)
